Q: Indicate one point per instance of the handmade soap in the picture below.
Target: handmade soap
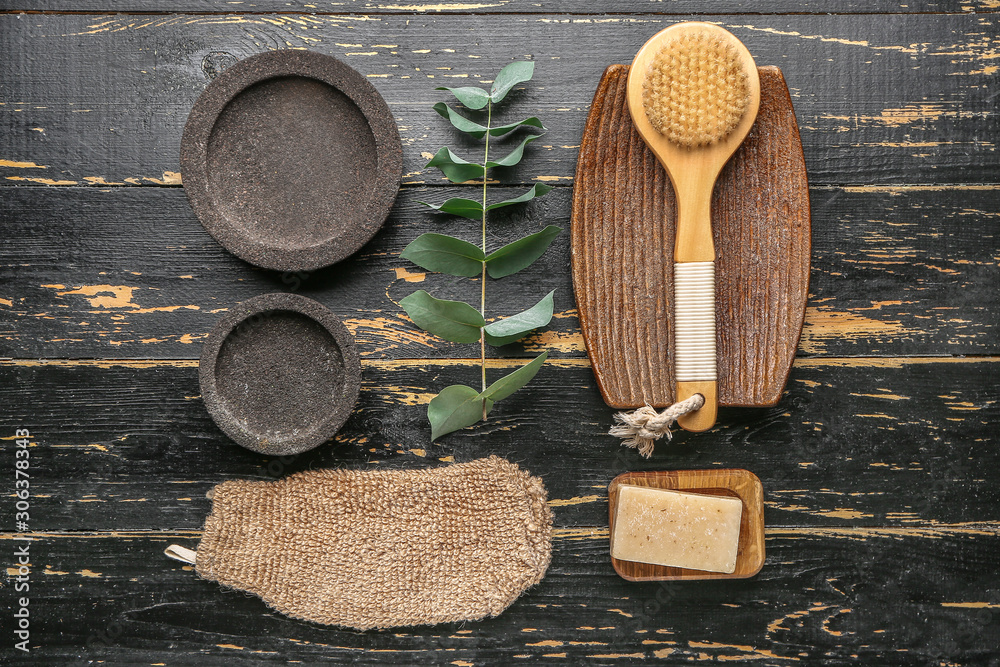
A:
(678, 529)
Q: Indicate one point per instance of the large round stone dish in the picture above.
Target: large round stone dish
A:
(280, 374)
(291, 160)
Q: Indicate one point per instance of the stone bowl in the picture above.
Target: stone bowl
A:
(291, 160)
(280, 374)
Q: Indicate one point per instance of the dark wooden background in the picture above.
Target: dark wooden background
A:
(880, 465)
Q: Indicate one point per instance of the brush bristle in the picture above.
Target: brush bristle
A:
(696, 89)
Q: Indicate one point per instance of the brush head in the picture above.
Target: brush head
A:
(696, 89)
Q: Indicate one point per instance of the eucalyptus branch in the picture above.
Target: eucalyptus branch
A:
(459, 406)
(482, 287)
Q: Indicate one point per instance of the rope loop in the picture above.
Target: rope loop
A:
(641, 428)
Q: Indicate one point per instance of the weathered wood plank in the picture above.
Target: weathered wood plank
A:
(900, 99)
(130, 273)
(319, 7)
(879, 472)
(824, 597)
(860, 442)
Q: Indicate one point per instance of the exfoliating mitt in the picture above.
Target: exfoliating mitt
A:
(381, 548)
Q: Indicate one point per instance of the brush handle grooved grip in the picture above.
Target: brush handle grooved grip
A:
(694, 321)
(694, 340)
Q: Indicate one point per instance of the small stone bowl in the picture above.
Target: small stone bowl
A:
(291, 160)
(280, 374)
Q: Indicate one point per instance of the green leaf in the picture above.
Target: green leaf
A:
(457, 170)
(470, 96)
(508, 384)
(459, 406)
(518, 326)
(478, 131)
(515, 155)
(537, 190)
(456, 321)
(455, 407)
(460, 122)
(521, 253)
(445, 254)
(454, 168)
(510, 76)
(467, 208)
(501, 130)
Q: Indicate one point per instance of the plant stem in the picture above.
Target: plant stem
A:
(482, 292)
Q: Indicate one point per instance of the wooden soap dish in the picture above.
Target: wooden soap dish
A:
(741, 484)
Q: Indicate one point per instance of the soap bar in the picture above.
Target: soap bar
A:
(678, 529)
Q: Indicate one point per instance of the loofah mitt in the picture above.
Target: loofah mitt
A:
(376, 549)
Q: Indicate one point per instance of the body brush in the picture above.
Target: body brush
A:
(693, 93)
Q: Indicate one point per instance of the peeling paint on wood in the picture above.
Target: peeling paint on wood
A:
(897, 313)
(881, 452)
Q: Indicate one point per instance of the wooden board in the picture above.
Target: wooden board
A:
(895, 271)
(873, 107)
(623, 224)
(734, 483)
(600, 7)
(890, 442)
(879, 463)
(828, 596)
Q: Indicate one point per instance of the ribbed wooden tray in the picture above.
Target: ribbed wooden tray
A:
(735, 482)
(622, 253)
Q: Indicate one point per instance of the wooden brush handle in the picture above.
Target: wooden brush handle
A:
(694, 340)
(693, 191)
(694, 294)
(703, 418)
